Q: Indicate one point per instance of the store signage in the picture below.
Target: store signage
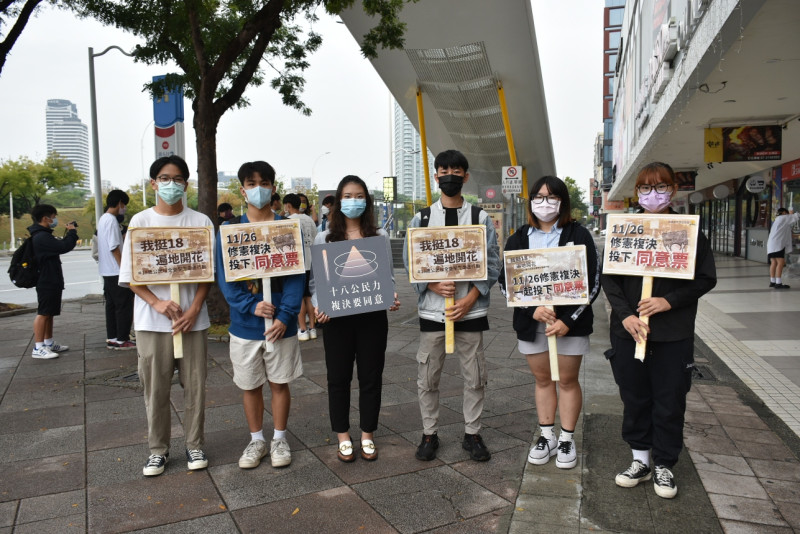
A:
(756, 184)
(742, 143)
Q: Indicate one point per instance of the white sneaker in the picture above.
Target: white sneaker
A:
(541, 452)
(253, 454)
(44, 353)
(313, 333)
(279, 453)
(303, 335)
(567, 457)
(196, 459)
(55, 347)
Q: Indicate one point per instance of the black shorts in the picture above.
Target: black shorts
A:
(780, 254)
(307, 289)
(49, 301)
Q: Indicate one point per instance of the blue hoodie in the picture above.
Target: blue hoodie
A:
(287, 299)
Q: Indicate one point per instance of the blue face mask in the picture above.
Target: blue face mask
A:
(353, 207)
(259, 196)
(170, 192)
(54, 222)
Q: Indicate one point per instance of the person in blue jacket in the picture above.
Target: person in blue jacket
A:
(252, 364)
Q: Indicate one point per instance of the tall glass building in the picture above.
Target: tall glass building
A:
(408, 158)
(68, 136)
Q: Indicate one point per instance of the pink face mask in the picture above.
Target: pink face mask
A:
(655, 202)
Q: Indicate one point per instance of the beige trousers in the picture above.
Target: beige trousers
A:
(430, 360)
(156, 367)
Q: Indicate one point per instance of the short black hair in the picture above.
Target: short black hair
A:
(261, 167)
(783, 211)
(293, 200)
(162, 162)
(115, 197)
(275, 196)
(328, 200)
(451, 158)
(40, 211)
(222, 208)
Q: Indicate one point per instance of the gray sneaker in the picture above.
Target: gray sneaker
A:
(279, 452)
(541, 452)
(253, 454)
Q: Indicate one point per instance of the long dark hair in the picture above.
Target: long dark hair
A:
(556, 187)
(337, 226)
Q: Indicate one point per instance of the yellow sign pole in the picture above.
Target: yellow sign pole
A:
(177, 339)
(507, 124)
(266, 289)
(423, 146)
(647, 292)
(552, 347)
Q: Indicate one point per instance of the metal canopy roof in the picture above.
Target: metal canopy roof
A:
(456, 53)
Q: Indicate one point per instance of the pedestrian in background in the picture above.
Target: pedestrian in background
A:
(779, 245)
(118, 299)
(293, 204)
(550, 225)
(654, 391)
(359, 338)
(50, 285)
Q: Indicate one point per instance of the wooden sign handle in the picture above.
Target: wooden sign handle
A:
(552, 346)
(647, 292)
(449, 330)
(267, 290)
(177, 339)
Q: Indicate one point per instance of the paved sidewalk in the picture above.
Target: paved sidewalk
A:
(73, 437)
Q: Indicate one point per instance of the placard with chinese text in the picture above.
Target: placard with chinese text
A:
(180, 255)
(440, 253)
(547, 276)
(261, 250)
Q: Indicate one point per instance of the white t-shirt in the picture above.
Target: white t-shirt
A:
(309, 231)
(109, 237)
(144, 316)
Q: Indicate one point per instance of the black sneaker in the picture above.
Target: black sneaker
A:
(664, 483)
(477, 450)
(772, 284)
(781, 286)
(637, 472)
(427, 447)
(196, 459)
(155, 465)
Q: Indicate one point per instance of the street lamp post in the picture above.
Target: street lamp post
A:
(98, 193)
(314, 167)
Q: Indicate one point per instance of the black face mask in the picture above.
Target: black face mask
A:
(450, 184)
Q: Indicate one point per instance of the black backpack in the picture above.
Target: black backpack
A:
(24, 271)
(425, 216)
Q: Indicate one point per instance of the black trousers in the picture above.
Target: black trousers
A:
(653, 393)
(361, 339)
(119, 309)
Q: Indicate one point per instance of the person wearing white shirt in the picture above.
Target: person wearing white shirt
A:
(306, 322)
(779, 244)
(157, 319)
(119, 300)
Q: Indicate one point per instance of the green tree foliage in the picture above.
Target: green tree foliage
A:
(30, 181)
(579, 207)
(221, 48)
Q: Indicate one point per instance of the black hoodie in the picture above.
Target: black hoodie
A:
(48, 249)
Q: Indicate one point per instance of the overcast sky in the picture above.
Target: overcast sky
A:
(350, 103)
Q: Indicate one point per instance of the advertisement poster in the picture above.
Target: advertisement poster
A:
(261, 250)
(353, 276)
(685, 180)
(496, 212)
(171, 255)
(549, 276)
(439, 253)
(743, 143)
(651, 245)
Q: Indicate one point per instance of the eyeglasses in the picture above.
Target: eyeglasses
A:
(646, 189)
(552, 199)
(165, 179)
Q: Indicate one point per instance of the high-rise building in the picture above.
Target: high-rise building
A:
(68, 136)
(408, 157)
(612, 37)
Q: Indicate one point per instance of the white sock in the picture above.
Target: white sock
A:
(112, 340)
(257, 435)
(642, 456)
(778, 281)
(772, 280)
(279, 434)
(565, 436)
(48, 341)
(39, 344)
(548, 432)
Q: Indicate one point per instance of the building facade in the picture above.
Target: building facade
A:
(407, 156)
(67, 136)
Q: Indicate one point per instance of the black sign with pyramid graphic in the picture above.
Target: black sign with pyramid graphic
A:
(353, 276)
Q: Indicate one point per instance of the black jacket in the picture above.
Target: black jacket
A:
(625, 292)
(577, 318)
(47, 250)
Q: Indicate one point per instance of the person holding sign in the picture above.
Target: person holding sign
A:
(551, 225)
(468, 313)
(253, 364)
(357, 338)
(157, 318)
(654, 391)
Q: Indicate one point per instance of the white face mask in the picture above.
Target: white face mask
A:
(545, 211)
